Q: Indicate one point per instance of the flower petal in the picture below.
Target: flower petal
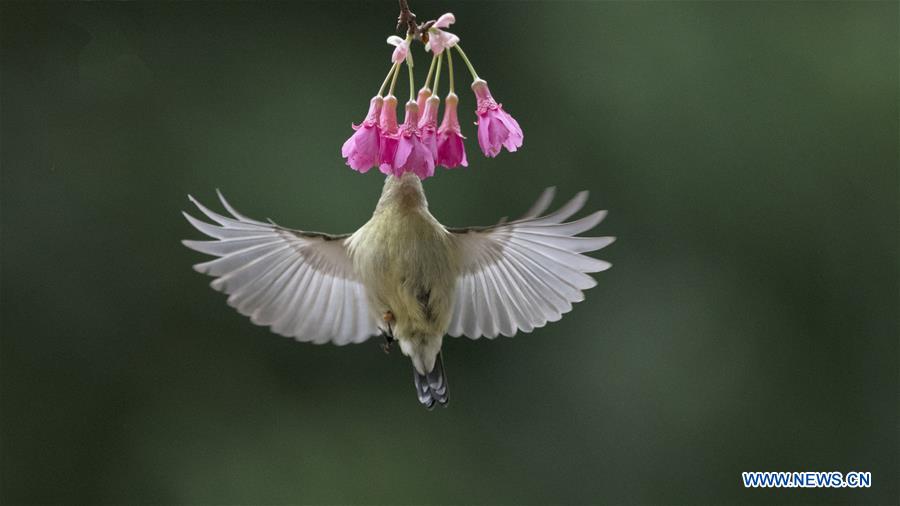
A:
(484, 137)
(451, 150)
(445, 20)
(514, 136)
(439, 40)
(347, 148)
(450, 40)
(399, 54)
(404, 149)
(498, 135)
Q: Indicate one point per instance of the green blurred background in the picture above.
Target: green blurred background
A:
(747, 152)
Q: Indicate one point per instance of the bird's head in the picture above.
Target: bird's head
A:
(403, 191)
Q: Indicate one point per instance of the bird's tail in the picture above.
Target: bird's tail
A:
(431, 388)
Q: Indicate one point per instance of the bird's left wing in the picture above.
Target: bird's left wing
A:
(301, 284)
(519, 275)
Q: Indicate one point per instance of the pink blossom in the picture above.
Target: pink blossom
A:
(451, 152)
(439, 40)
(428, 124)
(388, 126)
(402, 49)
(445, 20)
(363, 149)
(412, 155)
(423, 95)
(496, 128)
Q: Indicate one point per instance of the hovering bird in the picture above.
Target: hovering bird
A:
(404, 275)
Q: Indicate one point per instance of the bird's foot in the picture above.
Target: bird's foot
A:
(389, 335)
(387, 344)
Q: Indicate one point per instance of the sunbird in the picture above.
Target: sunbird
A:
(405, 276)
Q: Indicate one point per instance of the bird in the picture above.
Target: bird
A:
(403, 275)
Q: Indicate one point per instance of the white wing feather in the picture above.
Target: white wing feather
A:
(519, 275)
(301, 284)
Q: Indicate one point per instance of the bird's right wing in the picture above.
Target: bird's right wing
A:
(519, 275)
(301, 284)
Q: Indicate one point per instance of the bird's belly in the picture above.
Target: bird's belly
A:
(409, 269)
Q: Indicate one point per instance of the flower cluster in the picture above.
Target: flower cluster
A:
(420, 144)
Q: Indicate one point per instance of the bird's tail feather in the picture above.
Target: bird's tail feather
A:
(431, 388)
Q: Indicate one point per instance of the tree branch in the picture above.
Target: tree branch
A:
(406, 21)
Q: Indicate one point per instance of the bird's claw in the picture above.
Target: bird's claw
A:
(387, 344)
(389, 335)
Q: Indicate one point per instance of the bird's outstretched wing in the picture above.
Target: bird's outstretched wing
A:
(301, 284)
(519, 275)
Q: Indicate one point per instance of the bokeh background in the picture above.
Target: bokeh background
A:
(747, 152)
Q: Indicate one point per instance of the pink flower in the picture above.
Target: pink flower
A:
(388, 135)
(439, 40)
(412, 155)
(496, 128)
(363, 149)
(402, 49)
(428, 125)
(423, 95)
(451, 152)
